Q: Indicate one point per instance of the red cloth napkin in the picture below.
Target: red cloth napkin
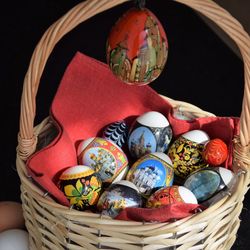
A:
(166, 213)
(88, 98)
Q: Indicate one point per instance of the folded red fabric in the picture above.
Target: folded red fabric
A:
(166, 213)
(88, 98)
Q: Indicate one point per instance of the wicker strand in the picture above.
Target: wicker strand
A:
(241, 154)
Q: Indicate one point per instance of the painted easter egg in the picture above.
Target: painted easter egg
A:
(151, 132)
(186, 152)
(205, 183)
(81, 186)
(170, 195)
(151, 172)
(137, 47)
(116, 132)
(215, 152)
(118, 196)
(105, 157)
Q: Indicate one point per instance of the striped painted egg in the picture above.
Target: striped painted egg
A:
(117, 132)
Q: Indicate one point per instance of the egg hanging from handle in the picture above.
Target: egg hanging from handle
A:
(137, 46)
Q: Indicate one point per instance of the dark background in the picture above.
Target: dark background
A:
(200, 69)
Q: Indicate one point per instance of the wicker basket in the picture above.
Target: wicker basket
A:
(53, 226)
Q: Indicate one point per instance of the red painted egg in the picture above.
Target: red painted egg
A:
(170, 195)
(215, 152)
(137, 47)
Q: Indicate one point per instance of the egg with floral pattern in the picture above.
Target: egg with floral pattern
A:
(169, 195)
(81, 186)
(137, 47)
(105, 157)
(186, 152)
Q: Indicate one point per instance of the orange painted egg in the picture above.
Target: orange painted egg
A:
(215, 152)
(137, 47)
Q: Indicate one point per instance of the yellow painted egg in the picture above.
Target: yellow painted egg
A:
(81, 186)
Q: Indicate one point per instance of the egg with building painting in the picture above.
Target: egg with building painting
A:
(117, 197)
(106, 158)
(169, 195)
(151, 132)
(186, 152)
(137, 47)
(151, 172)
(205, 183)
(81, 186)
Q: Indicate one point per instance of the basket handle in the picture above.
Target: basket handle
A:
(27, 139)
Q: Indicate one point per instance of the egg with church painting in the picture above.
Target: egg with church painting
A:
(117, 197)
(151, 132)
(151, 172)
(105, 157)
(137, 47)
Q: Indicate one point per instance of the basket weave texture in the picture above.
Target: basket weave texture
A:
(53, 226)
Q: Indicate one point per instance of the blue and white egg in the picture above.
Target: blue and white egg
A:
(151, 132)
(205, 183)
(151, 172)
(117, 132)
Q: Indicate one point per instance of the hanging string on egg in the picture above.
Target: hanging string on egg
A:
(140, 4)
(137, 46)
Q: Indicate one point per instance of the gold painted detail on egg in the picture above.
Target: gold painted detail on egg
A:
(186, 156)
(77, 175)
